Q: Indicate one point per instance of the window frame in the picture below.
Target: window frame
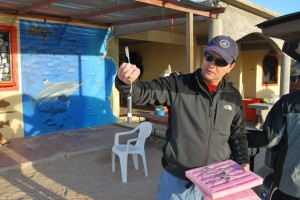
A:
(277, 70)
(13, 84)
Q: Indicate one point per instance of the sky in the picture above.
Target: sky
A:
(281, 7)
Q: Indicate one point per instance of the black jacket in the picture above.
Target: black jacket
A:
(281, 132)
(203, 128)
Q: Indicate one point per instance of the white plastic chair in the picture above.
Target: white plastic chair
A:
(122, 150)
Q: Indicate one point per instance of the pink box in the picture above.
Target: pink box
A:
(248, 194)
(222, 179)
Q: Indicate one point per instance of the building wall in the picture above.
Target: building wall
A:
(234, 76)
(11, 112)
(79, 62)
(266, 91)
(249, 70)
(238, 23)
(156, 57)
(253, 76)
(158, 49)
(65, 78)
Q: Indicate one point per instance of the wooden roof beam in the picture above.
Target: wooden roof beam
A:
(173, 4)
(148, 19)
(37, 4)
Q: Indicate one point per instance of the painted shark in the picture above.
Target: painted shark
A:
(55, 97)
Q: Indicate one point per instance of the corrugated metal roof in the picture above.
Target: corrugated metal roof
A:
(108, 12)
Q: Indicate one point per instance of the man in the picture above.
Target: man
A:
(207, 120)
(281, 134)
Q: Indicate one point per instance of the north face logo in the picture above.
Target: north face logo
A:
(228, 107)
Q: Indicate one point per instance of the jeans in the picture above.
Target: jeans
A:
(173, 188)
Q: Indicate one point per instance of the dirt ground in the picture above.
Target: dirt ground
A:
(83, 177)
(84, 174)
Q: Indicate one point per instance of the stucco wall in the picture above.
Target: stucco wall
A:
(253, 75)
(65, 78)
(157, 56)
(235, 75)
(249, 70)
(11, 113)
(237, 22)
(266, 91)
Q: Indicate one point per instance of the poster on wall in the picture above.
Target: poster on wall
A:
(66, 78)
(5, 63)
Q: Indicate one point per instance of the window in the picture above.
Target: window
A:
(8, 58)
(270, 69)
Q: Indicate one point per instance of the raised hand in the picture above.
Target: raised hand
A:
(128, 73)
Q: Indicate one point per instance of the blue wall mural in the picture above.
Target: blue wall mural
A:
(66, 78)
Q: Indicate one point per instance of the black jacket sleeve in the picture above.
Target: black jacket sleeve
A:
(257, 138)
(123, 88)
(159, 91)
(238, 140)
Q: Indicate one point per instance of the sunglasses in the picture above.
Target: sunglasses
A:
(218, 61)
